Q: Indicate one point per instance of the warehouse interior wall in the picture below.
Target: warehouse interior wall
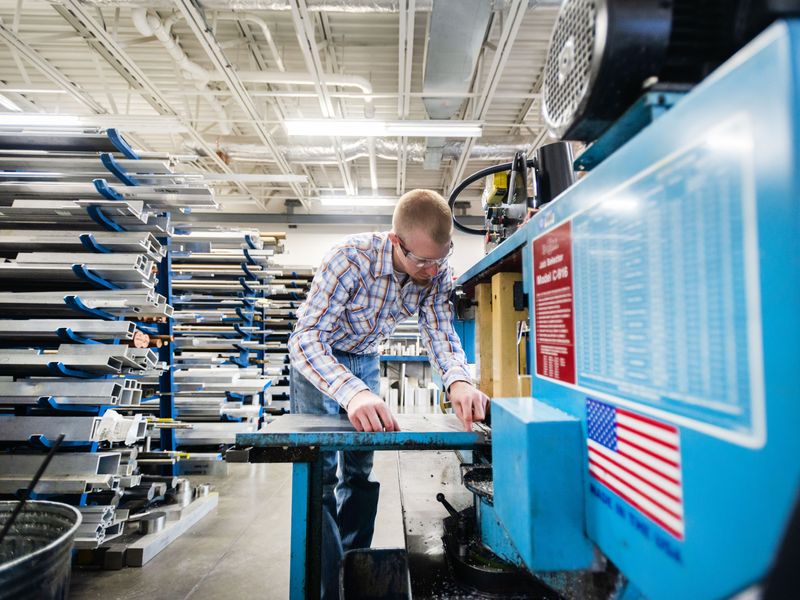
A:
(307, 244)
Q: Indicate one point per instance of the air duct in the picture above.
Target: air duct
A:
(457, 31)
(458, 28)
(149, 25)
(343, 6)
(385, 149)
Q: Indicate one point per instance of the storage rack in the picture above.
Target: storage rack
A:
(85, 325)
(229, 353)
(290, 286)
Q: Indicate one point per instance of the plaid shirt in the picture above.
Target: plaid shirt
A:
(356, 302)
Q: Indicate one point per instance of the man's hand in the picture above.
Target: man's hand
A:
(368, 412)
(468, 402)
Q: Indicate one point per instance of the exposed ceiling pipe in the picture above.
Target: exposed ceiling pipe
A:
(302, 78)
(281, 77)
(386, 149)
(262, 24)
(345, 6)
(373, 165)
(149, 25)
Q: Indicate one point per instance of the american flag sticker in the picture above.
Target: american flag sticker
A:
(639, 459)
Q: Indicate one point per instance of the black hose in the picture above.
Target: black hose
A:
(472, 179)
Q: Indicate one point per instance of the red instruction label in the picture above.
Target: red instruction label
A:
(554, 311)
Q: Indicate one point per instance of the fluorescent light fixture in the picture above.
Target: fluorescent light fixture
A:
(255, 178)
(144, 123)
(38, 120)
(369, 128)
(357, 201)
(9, 104)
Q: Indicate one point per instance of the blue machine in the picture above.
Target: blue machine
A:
(663, 293)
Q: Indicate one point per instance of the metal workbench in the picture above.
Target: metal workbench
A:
(299, 439)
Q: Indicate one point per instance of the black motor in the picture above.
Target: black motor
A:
(605, 53)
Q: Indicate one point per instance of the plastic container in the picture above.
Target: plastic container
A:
(379, 574)
(36, 553)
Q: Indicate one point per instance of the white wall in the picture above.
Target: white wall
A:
(307, 244)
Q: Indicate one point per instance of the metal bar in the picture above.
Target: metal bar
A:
(157, 196)
(59, 485)
(335, 432)
(22, 428)
(31, 363)
(65, 463)
(66, 391)
(301, 493)
(24, 329)
(147, 547)
(66, 240)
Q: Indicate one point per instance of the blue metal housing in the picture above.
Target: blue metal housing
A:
(685, 283)
(539, 451)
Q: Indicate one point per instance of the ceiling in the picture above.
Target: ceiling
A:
(214, 81)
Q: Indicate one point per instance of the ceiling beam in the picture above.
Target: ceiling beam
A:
(304, 30)
(49, 71)
(516, 13)
(99, 40)
(405, 67)
(197, 23)
(304, 219)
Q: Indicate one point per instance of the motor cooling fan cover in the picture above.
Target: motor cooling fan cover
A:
(601, 52)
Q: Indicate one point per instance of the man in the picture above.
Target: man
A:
(363, 288)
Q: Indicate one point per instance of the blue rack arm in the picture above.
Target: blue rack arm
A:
(250, 243)
(248, 273)
(43, 442)
(98, 216)
(247, 255)
(238, 329)
(59, 369)
(86, 274)
(105, 190)
(246, 287)
(66, 334)
(239, 362)
(234, 396)
(49, 402)
(148, 329)
(75, 303)
(166, 353)
(91, 244)
(110, 163)
(120, 144)
(243, 315)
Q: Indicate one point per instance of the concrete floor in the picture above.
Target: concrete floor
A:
(241, 549)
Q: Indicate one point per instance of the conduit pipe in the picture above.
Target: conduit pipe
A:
(150, 25)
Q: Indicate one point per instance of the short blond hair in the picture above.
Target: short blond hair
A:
(424, 210)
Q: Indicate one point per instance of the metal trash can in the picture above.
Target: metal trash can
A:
(379, 574)
(35, 556)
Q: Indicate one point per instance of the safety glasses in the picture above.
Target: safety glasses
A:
(421, 262)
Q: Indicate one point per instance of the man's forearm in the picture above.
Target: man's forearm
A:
(314, 359)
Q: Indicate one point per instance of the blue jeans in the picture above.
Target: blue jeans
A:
(349, 493)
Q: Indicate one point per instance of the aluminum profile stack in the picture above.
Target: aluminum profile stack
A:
(234, 310)
(84, 232)
(222, 383)
(278, 313)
